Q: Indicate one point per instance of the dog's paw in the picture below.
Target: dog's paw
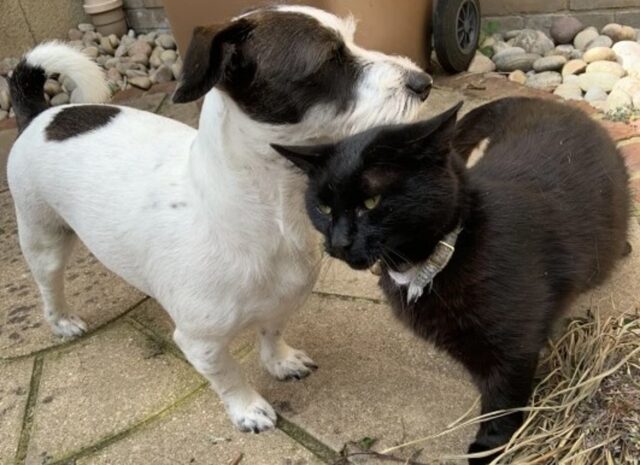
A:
(255, 416)
(293, 364)
(69, 326)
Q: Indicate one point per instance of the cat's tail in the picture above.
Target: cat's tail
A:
(27, 81)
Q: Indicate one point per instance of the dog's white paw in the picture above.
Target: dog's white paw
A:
(69, 326)
(292, 364)
(254, 416)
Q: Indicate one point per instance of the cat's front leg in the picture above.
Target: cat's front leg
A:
(504, 387)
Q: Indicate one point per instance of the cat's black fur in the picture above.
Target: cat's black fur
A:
(544, 216)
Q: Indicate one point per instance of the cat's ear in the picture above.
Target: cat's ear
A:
(424, 138)
(306, 157)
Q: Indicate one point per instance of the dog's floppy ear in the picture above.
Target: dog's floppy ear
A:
(306, 157)
(209, 53)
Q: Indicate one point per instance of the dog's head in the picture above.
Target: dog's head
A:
(292, 65)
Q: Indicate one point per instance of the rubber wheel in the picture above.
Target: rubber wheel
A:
(456, 30)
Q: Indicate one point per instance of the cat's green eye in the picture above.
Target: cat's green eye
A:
(372, 202)
(324, 209)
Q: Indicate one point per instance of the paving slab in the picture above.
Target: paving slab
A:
(153, 317)
(375, 380)
(7, 137)
(15, 378)
(188, 113)
(200, 433)
(106, 384)
(337, 278)
(95, 294)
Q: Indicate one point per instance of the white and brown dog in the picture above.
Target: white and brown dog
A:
(209, 222)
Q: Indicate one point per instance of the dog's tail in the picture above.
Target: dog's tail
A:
(27, 81)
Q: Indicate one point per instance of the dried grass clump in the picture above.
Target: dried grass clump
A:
(586, 408)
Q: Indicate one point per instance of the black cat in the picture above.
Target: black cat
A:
(511, 241)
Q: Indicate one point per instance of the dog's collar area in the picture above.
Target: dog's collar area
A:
(423, 274)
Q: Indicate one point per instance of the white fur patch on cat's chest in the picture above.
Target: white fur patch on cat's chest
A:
(405, 277)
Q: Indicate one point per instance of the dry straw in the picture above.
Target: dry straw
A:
(586, 408)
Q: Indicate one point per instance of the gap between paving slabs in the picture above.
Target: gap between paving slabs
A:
(293, 431)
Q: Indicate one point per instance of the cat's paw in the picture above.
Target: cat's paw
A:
(252, 416)
(289, 365)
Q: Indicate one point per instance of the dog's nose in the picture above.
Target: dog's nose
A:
(419, 83)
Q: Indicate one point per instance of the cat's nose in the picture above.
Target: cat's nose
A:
(419, 83)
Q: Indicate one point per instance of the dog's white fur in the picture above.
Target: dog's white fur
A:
(210, 222)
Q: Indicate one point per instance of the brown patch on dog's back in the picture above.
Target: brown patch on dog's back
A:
(77, 120)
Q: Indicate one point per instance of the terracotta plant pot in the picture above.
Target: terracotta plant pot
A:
(107, 16)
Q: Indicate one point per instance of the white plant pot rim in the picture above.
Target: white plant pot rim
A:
(101, 6)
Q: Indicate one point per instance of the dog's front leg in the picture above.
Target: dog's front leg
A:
(248, 410)
(281, 360)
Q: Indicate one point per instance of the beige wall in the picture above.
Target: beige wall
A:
(23, 23)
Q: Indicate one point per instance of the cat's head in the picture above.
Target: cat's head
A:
(389, 193)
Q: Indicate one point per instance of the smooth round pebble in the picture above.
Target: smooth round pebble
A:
(106, 47)
(606, 67)
(618, 32)
(91, 52)
(629, 85)
(141, 82)
(166, 41)
(569, 91)
(571, 79)
(68, 84)
(564, 29)
(512, 34)
(114, 75)
(75, 34)
(134, 73)
(86, 27)
(479, 64)
(547, 80)
(507, 52)
(176, 68)
(52, 87)
(618, 99)
(168, 57)
(605, 81)
(523, 61)
(574, 67)
(585, 36)
(139, 47)
(595, 94)
(563, 50)
(533, 41)
(60, 99)
(599, 54)
(550, 63)
(628, 53)
(600, 41)
(140, 58)
(162, 74)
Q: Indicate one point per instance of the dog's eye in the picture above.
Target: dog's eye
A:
(324, 209)
(372, 202)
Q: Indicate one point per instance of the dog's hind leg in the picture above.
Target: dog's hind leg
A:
(247, 409)
(46, 247)
(281, 360)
